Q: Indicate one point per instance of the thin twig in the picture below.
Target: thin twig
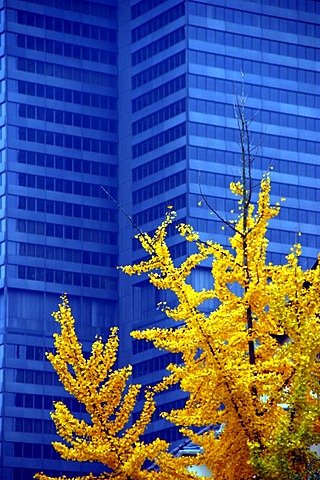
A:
(223, 220)
(135, 226)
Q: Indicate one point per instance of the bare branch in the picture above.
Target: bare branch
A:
(135, 226)
(215, 212)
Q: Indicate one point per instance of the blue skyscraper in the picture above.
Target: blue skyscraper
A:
(58, 230)
(182, 70)
(136, 96)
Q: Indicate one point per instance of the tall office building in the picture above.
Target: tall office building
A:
(180, 73)
(58, 228)
(136, 96)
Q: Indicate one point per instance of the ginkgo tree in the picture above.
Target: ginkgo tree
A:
(108, 437)
(263, 393)
(266, 395)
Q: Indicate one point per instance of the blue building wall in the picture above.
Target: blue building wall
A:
(59, 230)
(188, 60)
(136, 96)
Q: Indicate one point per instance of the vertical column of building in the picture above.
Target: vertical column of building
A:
(153, 165)
(2, 209)
(61, 227)
(3, 116)
(125, 178)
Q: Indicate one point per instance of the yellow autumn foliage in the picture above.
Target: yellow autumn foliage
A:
(263, 394)
(109, 437)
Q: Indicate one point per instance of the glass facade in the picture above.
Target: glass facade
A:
(137, 97)
(59, 230)
(185, 62)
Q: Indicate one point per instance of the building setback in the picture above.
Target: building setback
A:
(137, 97)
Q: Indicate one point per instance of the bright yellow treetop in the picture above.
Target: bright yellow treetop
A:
(108, 438)
(264, 394)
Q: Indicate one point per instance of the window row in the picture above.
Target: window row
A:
(296, 191)
(155, 364)
(139, 346)
(160, 116)
(300, 215)
(260, 92)
(221, 109)
(58, 24)
(158, 211)
(157, 94)
(66, 278)
(94, 9)
(37, 377)
(142, 7)
(159, 69)
(219, 202)
(272, 141)
(34, 352)
(33, 425)
(291, 121)
(151, 26)
(267, 117)
(218, 37)
(159, 140)
(42, 182)
(67, 73)
(74, 142)
(243, 18)
(153, 48)
(66, 163)
(296, 168)
(304, 5)
(45, 402)
(290, 238)
(27, 352)
(68, 50)
(158, 188)
(253, 67)
(66, 231)
(35, 450)
(226, 157)
(63, 117)
(67, 95)
(159, 163)
(274, 235)
(83, 257)
(210, 225)
(278, 189)
(74, 210)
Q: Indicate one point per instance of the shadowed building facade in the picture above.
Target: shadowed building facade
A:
(58, 229)
(180, 73)
(137, 97)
